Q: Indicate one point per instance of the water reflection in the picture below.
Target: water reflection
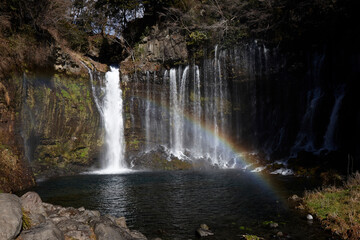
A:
(171, 205)
(112, 193)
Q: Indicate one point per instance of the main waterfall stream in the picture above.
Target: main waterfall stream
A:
(111, 110)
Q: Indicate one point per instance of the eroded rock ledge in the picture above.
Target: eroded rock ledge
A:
(28, 218)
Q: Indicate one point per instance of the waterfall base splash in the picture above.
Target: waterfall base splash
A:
(163, 158)
(111, 171)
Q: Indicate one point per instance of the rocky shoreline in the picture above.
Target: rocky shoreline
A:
(28, 218)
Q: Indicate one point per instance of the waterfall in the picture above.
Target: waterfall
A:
(177, 98)
(147, 111)
(110, 107)
(216, 109)
(26, 111)
(305, 138)
(114, 123)
(197, 112)
(330, 132)
(197, 143)
(192, 114)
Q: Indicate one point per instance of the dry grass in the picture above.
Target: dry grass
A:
(338, 208)
(26, 223)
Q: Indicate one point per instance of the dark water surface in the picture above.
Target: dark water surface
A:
(171, 205)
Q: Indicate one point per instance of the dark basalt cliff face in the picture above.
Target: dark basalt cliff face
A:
(49, 123)
(60, 124)
(290, 104)
(15, 173)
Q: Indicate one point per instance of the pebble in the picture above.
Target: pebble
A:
(273, 225)
(204, 231)
(204, 226)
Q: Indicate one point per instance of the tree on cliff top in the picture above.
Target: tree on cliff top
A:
(38, 14)
(25, 27)
(276, 21)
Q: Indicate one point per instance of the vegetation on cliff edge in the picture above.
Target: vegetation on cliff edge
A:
(85, 26)
(277, 22)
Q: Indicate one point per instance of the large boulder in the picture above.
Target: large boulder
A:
(10, 216)
(32, 204)
(44, 231)
(106, 229)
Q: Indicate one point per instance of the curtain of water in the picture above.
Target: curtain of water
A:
(305, 138)
(236, 93)
(329, 137)
(108, 99)
(192, 101)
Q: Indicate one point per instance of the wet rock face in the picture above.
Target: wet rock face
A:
(60, 124)
(160, 159)
(14, 171)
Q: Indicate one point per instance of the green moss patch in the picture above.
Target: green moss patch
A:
(62, 113)
(338, 208)
(251, 237)
(175, 164)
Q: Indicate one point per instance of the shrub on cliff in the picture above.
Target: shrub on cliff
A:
(40, 14)
(282, 21)
(25, 32)
(77, 39)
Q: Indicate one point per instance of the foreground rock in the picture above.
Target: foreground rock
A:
(44, 231)
(45, 221)
(10, 216)
(204, 231)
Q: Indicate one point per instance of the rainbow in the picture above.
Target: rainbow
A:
(226, 141)
(263, 178)
(208, 129)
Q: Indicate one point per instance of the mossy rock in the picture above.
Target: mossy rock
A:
(160, 160)
(251, 237)
(161, 163)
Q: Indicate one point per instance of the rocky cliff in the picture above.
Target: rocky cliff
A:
(15, 173)
(60, 123)
(49, 123)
